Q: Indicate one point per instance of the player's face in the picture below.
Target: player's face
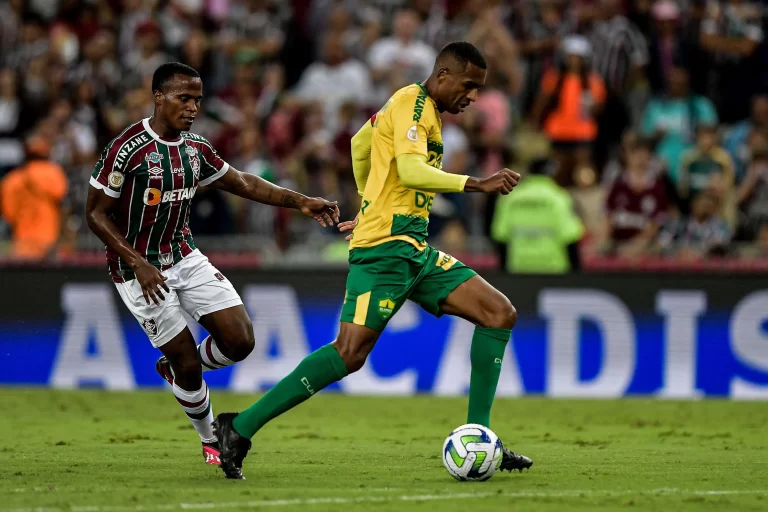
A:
(460, 89)
(179, 103)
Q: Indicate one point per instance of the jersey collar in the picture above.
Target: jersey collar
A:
(423, 89)
(155, 136)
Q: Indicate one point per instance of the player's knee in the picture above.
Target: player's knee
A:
(242, 341)
(353, 354)
(502, 315)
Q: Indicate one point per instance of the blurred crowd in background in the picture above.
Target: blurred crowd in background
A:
(646, 121)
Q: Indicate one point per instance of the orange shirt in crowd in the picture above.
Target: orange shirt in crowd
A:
(571, 120)
(30, 201)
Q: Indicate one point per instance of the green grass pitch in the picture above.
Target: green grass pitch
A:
(95, 451)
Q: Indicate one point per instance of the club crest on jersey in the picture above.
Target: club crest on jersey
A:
(153, 157)
(150, 327)
(195, 163)
(190, 151)
(166, 258)
(386, 308)
(115, 179)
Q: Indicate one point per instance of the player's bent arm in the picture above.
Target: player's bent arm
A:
(361, 155)
(415, 173)
(97, 209)
(258, 189)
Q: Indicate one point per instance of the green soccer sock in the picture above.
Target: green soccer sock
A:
(319, 369)
(487, 351)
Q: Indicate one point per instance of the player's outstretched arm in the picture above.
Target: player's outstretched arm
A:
(326, 213)
(500, 183)
(97, 210)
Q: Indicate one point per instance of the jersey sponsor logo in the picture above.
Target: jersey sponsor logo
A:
(152, 196)
(386, 308)
(115, 179)
(150, 327)
(127, 148)
(155, 172)
(413, 134)
(177, 170)
(418, 109)
(153, 157)
(166, 258)
(191, 151)
(423, 200)
(179, 194)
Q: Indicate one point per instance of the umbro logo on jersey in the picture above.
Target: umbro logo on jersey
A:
(153, 157)
(155, 172)
(153, 196)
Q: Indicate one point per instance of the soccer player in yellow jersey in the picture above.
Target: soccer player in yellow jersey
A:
(397, 160)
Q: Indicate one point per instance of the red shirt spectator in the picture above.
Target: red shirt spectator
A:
(637, 202)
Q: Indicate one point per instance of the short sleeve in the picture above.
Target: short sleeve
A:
(212, 166)
(412, 120)
(109, 173)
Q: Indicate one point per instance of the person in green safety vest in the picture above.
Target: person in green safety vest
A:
(538, 224)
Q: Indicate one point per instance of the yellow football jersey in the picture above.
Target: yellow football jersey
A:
(409, 123)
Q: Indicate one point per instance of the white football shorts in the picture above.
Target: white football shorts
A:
(197, 288)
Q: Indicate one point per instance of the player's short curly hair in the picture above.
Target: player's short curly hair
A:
(165, 72)
(464, 53)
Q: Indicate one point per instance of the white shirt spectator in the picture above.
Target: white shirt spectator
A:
(333, 85)
(417, 57)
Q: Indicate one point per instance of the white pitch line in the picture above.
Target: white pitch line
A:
(384, 499)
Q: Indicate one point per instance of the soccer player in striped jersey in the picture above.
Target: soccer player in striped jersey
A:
(138, 205)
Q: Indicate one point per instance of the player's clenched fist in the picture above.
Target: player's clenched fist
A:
(151, 280)
(502, 182)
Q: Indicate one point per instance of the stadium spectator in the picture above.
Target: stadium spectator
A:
(705, 166)
(570, 100)
(637, 204)
(149, 54)
(672, 119)
(731, 35)
(752, 198)
(703, 233)
(15, 118)
(540, 30)
(31, 200)
(538, 224)
(620, 55)
(333, 81)
(667, 47)
(400, 59)
(748, 136)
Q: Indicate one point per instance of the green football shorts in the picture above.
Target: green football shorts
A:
(383, 277)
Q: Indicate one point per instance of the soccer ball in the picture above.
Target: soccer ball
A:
(472, 452)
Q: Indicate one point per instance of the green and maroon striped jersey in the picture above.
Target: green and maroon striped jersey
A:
(154, 181)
